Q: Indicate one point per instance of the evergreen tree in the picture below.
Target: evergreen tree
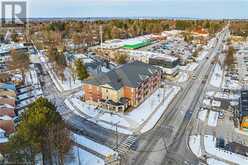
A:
(81, 70)
(39, 132)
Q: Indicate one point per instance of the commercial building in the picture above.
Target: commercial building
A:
(243, 111)
(132, 43)
(128, 85)
(138, 45)
(169, 64)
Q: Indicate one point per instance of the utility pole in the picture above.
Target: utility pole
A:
(116, 134)
(101, 33)
(79, 162)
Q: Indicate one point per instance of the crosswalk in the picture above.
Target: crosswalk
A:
(126, 145)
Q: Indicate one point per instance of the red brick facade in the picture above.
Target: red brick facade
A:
(92, 92)
(135, 95)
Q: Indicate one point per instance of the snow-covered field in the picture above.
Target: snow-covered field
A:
(213, 118)
(194, 144)
(99, 148)
(202, 114)
(210, 148)
(216, 78)
(143, 118)
(82, 157)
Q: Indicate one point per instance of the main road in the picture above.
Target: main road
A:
(167, 142)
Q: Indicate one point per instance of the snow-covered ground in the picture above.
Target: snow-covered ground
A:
(82, 157)
(231, 84)
(202, 114)
(216, 103)
(182, 77)
(216, 78)
(210, 148)
(202, 55)
(207, 102)
(159, 112)
(142, 118)
(213, 118)
(32, 91)
(189, 67)
(99, 148)
(212, 161)
(67, 84)
(223, 95)
(194, 144)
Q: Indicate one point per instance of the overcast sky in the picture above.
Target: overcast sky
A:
(135, 8)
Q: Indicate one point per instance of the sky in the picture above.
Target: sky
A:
(211, 9)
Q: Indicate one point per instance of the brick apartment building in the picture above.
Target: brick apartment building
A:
(127, 85)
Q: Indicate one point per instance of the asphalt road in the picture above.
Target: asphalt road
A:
(167, 142)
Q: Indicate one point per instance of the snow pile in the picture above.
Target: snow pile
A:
(213, 118)
(202, 114)
(195, 145)
(210, 147)
(99, 148)
(207, 102)
(216, 103)
(216, 78)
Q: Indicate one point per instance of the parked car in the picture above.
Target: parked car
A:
(221, 115)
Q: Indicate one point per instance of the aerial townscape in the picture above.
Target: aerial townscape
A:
(118, 90)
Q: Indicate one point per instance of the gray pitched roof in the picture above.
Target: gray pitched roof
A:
(130, 74)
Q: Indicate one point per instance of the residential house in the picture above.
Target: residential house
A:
(7, 107)
(128, 85)
(7, 124)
